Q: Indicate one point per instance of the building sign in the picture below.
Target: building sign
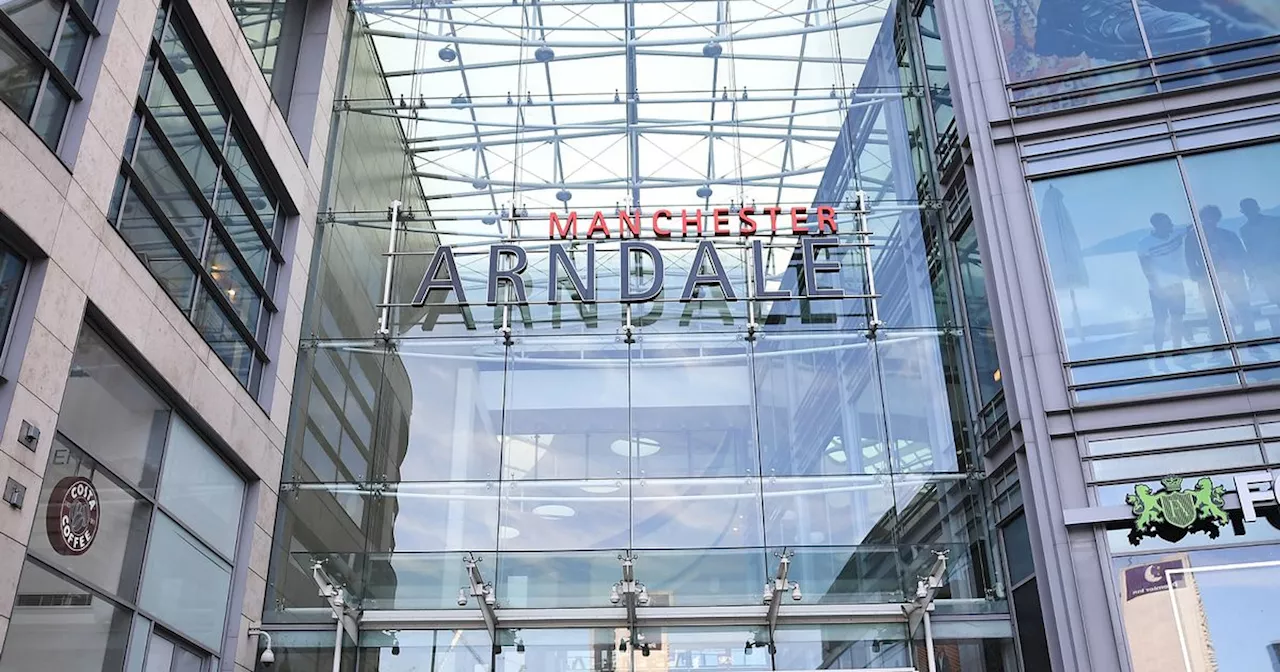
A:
(1252, 490)
(73, 514)
(1153, 578)
(574, 260)
(1171, 512)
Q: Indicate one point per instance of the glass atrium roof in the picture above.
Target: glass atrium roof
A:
(584, 105)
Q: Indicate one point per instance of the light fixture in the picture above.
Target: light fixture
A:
(704, 191)
(795, 592)
(462, 597)
(447, 54)
(554, 511)
(479, 183)
(639, 447)
(643, 597)
(712, 49)
(507, 532)
(544, 54)
(601, 489)
(564, 195)
(614, 598)
(458, 100)
(490, 219)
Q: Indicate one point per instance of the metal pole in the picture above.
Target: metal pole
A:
(383, 328)
(337, 642)
(928, 643)
(865, 233)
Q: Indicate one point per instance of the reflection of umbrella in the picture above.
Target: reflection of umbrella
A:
(1062, 245)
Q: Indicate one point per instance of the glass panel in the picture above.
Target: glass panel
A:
(1119, 244)
(543, 515)
(580, 431)
(829, 511)
(703, 577)
(1158, 387)
(246, 175)
(191, 79)
(200, 490)
(93, 641)
(1170, 25)
(1186, 461)
(38, 19)
(1238, 210)
(691, 408)
(1042, 38)
(226, 274)
(334, 436)
(819, 406)
(227, 343)
(159, 655)
(935, 63)
(1017, 549)
(437, 517)
(427, 650)
(49, 121)
(578, 650)
(113, 554)
(329, 518)
(1133, 444)
(71, 48)
(441, 406)
(161, 180)
(12, 270)
(687, 649)
(110, 413)
(418, 580)
(913, 371)
(243, 234)
(982, 337)
(548, 580)
(1201, 610)
(1031, 636)
(939, 513)
(154, 247)
(849, 575)
(138, 638)
(181, 133)
(22, 75)
(842, 646)
(696, 513)
(184, 584)
(1151, 365)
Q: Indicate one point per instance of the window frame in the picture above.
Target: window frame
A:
(252, 332)
(19, 294)
(51, 73)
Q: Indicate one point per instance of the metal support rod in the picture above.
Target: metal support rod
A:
(337, 646)
(383, 321)
(860, 212)
(928, 642)
(483, 594)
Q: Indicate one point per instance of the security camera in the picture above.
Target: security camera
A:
(268, 658)
(462, 597)
(795, 593)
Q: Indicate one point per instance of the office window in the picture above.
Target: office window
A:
(273, 29)
(13, 271)
(194, 206)
(42, 47)
(143, 512)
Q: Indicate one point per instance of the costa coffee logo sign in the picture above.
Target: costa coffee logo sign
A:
(73, 515)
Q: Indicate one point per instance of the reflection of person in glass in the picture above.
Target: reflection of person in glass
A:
(1161, 256)
(1108, 29)
(1261, 237)
(1229, 261)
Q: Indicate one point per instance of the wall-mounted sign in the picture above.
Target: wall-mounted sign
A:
(1171, 512)
(1251, 494)
(575, 262)
(73, 514)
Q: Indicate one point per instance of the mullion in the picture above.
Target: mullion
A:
(215, 147)
(82, 17)
(206, 280)
(15, 33)
(170, 153)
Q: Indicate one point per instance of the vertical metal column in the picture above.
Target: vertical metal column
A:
(383, 326)
(864, 238)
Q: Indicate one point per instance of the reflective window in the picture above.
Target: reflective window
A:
(193, 207)
(200, 489)
(1042, 38)
(185, 584)
(42, 95)
(13, 271)
(982, 335)
(95, 639)
(1126, 262)
(1182, 26)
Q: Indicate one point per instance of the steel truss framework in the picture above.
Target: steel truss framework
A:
(579, 105)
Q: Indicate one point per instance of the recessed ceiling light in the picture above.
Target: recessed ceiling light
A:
(639, 447)
(602, 489)
(554, 511)
(505, 532)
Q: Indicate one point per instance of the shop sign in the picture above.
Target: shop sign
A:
(1171, 512)
(509, 261)
(72, 516)
(1250, 490)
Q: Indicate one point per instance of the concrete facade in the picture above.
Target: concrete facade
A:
(1050, 427)
(53, 210)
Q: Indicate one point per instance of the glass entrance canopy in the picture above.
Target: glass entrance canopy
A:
(704, 439)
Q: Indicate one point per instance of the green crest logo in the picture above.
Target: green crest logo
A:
(1171, 512)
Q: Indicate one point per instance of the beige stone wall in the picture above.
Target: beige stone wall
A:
(82, 266)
